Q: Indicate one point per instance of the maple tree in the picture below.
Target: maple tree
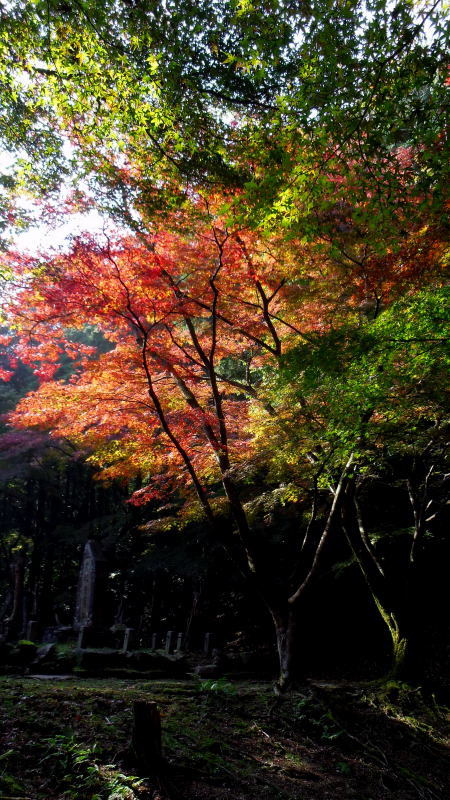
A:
(282, 172)
(176, 311)
(376, 392)
(299, 105)
(199, 327)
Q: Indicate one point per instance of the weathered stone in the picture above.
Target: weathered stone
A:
(170, 642)
(22, 653)
(208, 671)
(128, 639)
(155, 641)
(98, 661)
(144, 661)
(180, 642)
(118, 627)
(33, 631)
(45, 652)
(49, 635)
(95, 638)
(89, 609)
(209, 642)
(82, 635)
(51, 662)
(217, 655)
(167, 665)
(64, 633)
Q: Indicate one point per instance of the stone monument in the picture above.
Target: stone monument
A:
(89, 610)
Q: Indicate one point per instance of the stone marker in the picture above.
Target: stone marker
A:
(155, 638)
(209, 643)
(180, 641)
(91, 584)
(207, 671)
(49, 635)
(81, 643)
(64, 633)
(128, 639)
(33, 631)
(44, 652)
(170, 642)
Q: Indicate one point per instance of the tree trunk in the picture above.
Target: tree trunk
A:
(15, 619)
(285, 631)
(399, 638)
(192, 615)
(379, 585)
(400, 645)
(154, 612)
(146, 741)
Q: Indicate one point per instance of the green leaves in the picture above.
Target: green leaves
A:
(321, 125)
(171, 97)
(372, 388)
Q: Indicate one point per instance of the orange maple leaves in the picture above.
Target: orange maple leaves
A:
(191, 324)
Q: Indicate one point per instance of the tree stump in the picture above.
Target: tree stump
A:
(146, 738)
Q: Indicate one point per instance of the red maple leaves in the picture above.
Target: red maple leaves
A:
(193, 325)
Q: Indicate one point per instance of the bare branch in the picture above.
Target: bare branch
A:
(331, 516)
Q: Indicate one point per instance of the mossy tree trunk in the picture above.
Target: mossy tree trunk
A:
(390, 601)
(399, 638)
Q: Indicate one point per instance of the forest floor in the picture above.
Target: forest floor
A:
(223, 741)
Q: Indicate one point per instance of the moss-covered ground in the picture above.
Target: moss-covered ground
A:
(222, 740)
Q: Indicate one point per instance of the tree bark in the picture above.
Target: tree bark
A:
(377, 582)
(399, 638)
(15, 620)
(285, 631)
(146, 738)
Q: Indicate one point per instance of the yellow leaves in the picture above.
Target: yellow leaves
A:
(244, 7)
(153, 63)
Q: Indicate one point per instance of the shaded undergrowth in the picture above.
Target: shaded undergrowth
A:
(70, 739)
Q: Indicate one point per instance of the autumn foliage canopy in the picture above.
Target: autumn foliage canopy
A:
(267, 296)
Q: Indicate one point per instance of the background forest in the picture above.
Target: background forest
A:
(237, 384)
